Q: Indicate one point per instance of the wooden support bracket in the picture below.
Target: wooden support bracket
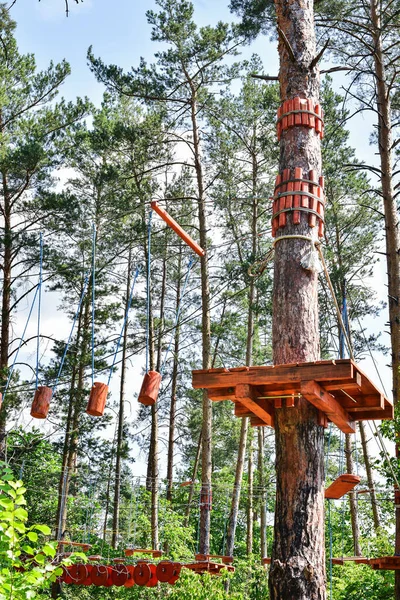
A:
(246, 395)
(324, 401)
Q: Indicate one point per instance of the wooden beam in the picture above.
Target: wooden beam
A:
(247, 396)
(341, 486)
(373, 402)
(382, 415)
(324, 401)
(221, 394)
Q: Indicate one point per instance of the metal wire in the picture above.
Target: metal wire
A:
(93, 293)
(39, 306)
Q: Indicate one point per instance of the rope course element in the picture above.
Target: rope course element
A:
(93, 293)
(39, 307)
(152, 379)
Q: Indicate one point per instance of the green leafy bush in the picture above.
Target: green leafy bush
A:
(26, 566)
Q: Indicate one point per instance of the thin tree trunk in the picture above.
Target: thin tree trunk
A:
(194, 476)
(370, 477)
(206, 455)
(385, 139)
(250, 499)
(298, 556)
(174, 385)
(352, 498)
(263, 505)
(5, 310)
(108, 494)
(233, 516)
(120, 431)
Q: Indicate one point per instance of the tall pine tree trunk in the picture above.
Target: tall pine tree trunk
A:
(206, 465)
(174, 385)
(352, 498)
(370, 477)
(120, 430)
(232, 522)
(298, 557)
(263, 504)
(250, 498)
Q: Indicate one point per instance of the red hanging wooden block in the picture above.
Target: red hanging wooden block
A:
(153, 576)
(285, 119)
(298, 174)
(119, 575)
(297, 117)
(290, 118)
(41, 402)
(312, 221)
(142, 573)
(97, 399)
(305, 117)
(99, 575)
(88, 580)
(311, 118)
(150, 388)
(279, 123)
(78, 574)
(130, 582)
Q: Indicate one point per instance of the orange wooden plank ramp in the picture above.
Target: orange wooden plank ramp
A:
(341, 486)
(359, 560)
(133, 551)
(207, 566)
(341, 392)
(227, 560)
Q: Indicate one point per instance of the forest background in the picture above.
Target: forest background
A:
(125, 135)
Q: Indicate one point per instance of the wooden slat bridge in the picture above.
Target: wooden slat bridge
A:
(340, 391)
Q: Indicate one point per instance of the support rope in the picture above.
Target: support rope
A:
(148, 292)
(39, 307)
(93, 294)
(124, 324)
(85, 284)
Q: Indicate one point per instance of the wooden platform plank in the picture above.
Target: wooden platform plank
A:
(359, 560)
(279, 374)
(341, 486)
(324, 401)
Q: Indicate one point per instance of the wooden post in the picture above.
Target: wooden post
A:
(298, 557)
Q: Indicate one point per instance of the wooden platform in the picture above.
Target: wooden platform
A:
(338, 388)
(226, 560)
(385, 563)
(341, 486)
(359, 560)
(207, 566)
(133, 551)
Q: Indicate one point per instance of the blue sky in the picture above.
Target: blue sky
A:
(117, 29)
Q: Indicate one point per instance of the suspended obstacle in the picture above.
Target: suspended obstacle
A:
(133, 551)
(177, 228)
(226, 560)
(208, 566)
(97, 399)
(341, 486)
(41, 402)
(340, 391)
(150, 388)
(359, 560)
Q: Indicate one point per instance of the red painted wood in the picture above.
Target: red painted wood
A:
(97, 399)
(150, 388)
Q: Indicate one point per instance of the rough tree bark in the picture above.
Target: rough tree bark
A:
(298, 557)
